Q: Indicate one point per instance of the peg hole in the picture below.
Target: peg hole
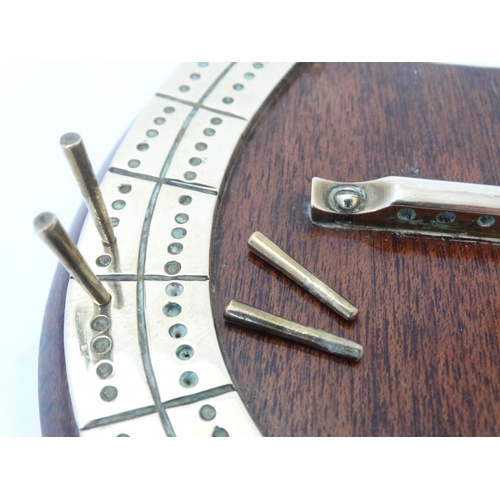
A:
(446, 217)
(177, 331)
(207, 412)
(172, 268)
(179, 233)
(100, 324)
(184, 352)
(104, 260)
(119, 204)
(185, 200)
(172, 309)
(181, 218)
(104, 370)
(188, 379)
(406, 214)
(109, 393)
(195, 161)
(220, 432)
(125, 188)
(102, 344)
(175, 248)
(174, 289)
(486, 221)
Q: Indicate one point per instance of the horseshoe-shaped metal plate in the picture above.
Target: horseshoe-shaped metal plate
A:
(149, 364)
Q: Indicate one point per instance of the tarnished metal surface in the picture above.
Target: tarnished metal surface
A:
(148, 363)
(407, 205)
(263, 247)
(76, 154)
(262, 321)
(51, 231)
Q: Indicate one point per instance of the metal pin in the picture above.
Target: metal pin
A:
(51, 231)
(75, 152)
(267, 250)
(250, 317)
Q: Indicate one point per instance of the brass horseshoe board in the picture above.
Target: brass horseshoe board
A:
(148, 363)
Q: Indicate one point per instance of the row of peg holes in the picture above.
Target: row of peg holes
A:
(238, 87)
(184, 352)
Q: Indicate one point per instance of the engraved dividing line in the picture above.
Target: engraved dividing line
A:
(149, 410)
(141, 263)
(194, 186)
(200, 188)
(176, 99)
(146, 359)
(135, 175)
(153, 277)
(224, 113)
(199, 396)
(200, 106)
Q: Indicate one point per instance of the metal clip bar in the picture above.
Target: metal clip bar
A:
(403, 204)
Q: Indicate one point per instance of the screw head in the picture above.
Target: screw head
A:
(347, 199)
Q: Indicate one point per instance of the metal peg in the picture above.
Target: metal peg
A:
(250, 317)
(76, 154)
(267, 250)
(51, 231)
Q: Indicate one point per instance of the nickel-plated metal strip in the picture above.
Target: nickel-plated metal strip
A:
(163, 184)
(149, 410)
(408, 205)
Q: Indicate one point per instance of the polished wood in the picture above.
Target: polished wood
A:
(429, 311)
(429, 315)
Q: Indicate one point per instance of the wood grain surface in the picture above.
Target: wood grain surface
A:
(429, 315)
(428, 307)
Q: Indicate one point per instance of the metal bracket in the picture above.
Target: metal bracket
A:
(408, 205)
